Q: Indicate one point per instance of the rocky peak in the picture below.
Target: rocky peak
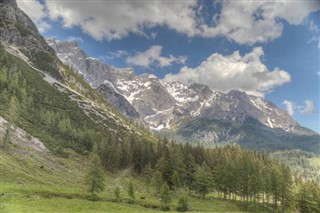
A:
(162, 104)
(10, 3)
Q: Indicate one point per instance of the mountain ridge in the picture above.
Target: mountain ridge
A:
(194, 100)
(174, 108)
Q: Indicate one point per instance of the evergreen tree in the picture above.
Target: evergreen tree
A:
(190, 169)
(306, 200)
(203, 180)
(157, 181)
(95, 175)
(285, 188)
(13, 114)
(147, 174)
(175, 180)
(165, 196)
(117, 193)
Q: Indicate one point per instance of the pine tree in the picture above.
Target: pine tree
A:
(285, 188)
(203, 180)
(95, 175)
(165, 196)
(157, 181)
(13, 115)
(175, 180)
(147, 174)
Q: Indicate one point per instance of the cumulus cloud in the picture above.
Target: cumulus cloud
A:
(249, 22)
(224, 73)
(308, 108)
(152, 56)
(245, 22)
(77, 39)
(289, 106)
(116, 19)
(36, 11)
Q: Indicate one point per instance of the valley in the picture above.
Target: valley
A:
(79, 135)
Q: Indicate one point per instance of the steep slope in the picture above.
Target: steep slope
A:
(58, 107)
(97, 74)
(17, 29)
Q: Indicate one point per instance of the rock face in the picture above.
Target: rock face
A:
(162, 104)
(118, 101)
(193, 111)
(17, 29)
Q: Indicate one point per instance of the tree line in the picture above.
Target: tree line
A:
(231, 172)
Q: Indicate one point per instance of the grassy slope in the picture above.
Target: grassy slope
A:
(32, 181)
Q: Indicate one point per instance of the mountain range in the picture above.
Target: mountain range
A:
(192, 113)
(187, 113)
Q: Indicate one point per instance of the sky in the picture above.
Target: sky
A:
(264, 48)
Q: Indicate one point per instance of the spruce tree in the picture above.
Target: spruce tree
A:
(13, 115)
(175, 180)
(203, 180)
(165, 196)
(157, 181)
(147, 174)
(95, 175)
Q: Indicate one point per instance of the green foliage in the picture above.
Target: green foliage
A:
(42, 110)
(203, 180)
(308, 198)
(157, 181)
(147, 174)
(254, 135)
(117, 193)
(131, 190)
(183, 204)
(165, 196)
(13, 115)
(95, 175)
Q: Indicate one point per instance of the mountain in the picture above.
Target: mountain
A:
(162, 103)
(192, 112)
(97, 74)
(46, 98)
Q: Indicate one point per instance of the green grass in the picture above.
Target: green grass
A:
(42, 182)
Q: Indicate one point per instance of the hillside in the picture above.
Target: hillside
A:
(33, 179)
(65, 148)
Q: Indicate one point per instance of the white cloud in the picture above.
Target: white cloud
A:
(308, 108)
(224, 73)
(77, 39)
(36, 11)
(245, 22)
(152, 56)
(249, 22)
(116, 19)
(290, 107)
(315, 39)
(313, 26)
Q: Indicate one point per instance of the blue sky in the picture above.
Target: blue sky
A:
(265, 48)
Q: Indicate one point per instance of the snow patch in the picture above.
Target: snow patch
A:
(160, 127)
(270, 123)
(111, 85)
